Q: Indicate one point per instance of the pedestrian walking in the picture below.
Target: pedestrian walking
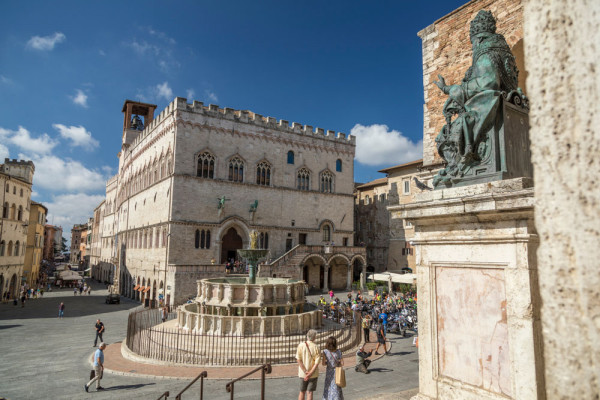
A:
(80, 290)
(98, 368)
(332, 358)
(308, 357)
(61, 310)
(99, 331)
(74, 290)
(380, 337)
(23, 297)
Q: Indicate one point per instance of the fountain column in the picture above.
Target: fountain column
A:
(326, 277)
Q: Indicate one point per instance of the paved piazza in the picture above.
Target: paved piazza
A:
(44, 357)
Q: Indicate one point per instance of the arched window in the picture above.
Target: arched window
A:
(13, 209)
(207, 243)
(263, 174)
(161, 167)
(197, 239)
(303, 179)
(326, 182)
(236, 170)
(156, 241)
(5, 210)
(290, 157)
(164, 237)
(338, 165)
(17, 248)
(7, 188)
(202, 238)
(206, 166)
(326, 233)
(263, 240)
(150, 238)
(2, 244)
(20, 213)
(21, 194)
(10, 248)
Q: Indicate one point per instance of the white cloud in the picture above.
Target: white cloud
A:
(377, 145)
(6, 80)
(165, 91)
(67, 210)
(78, 136)
(22, 139)
(144, 48)
(80, 98)
(46, 43)
(65, 175)
(161, 35)
(3, 153)
(190, 94)
(101, 52)
(211, 95)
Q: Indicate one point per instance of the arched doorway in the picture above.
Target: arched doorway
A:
(12, 287)
(313, 271)
(230, 243)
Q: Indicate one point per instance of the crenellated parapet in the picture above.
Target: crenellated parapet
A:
(244, 116)
(249, 117)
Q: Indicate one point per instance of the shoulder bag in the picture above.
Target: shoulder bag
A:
(340, 375)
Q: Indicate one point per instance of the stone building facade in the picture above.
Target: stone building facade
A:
(447, 51)
(52, 240)
(35, 242)
(76, 239)
(16, 178)
(194, 181)
(372, 222)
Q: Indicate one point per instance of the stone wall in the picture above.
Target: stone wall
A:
(562, 58)
(447, 51)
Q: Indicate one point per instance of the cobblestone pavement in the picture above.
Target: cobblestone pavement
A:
(44, 357)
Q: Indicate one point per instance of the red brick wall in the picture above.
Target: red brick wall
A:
(447, 51)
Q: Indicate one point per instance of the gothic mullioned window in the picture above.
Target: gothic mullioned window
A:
(303, 179)
(206, 166)
(236, 169)
(326, 182)
(263, 174)
(202, 239)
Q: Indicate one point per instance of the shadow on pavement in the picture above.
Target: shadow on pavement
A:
(127, 387)
(9, 326)
(381, 370)
(75, 306)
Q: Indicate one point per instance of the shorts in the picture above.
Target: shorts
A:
(310, 385)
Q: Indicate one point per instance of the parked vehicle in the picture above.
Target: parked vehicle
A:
(113, 298)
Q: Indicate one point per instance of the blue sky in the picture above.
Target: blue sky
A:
(66, 67)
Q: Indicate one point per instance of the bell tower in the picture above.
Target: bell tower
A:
(136, 116)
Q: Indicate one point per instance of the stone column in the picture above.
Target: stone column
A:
(326, 277)
(349, 279)
(562, 53)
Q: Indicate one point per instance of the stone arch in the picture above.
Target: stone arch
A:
(12, 287)
(340, 255)
(314, 273)
(327, 221)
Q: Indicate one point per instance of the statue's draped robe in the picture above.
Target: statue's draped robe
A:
(476, 101)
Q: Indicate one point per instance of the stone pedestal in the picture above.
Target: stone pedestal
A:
(479, 328)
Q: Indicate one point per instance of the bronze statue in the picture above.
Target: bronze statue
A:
(465, 142)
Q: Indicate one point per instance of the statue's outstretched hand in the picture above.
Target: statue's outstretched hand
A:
(441, 83)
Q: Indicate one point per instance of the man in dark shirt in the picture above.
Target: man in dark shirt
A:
(99, 332)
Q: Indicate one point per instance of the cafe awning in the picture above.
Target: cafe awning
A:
(146, 289)
(136, 287)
